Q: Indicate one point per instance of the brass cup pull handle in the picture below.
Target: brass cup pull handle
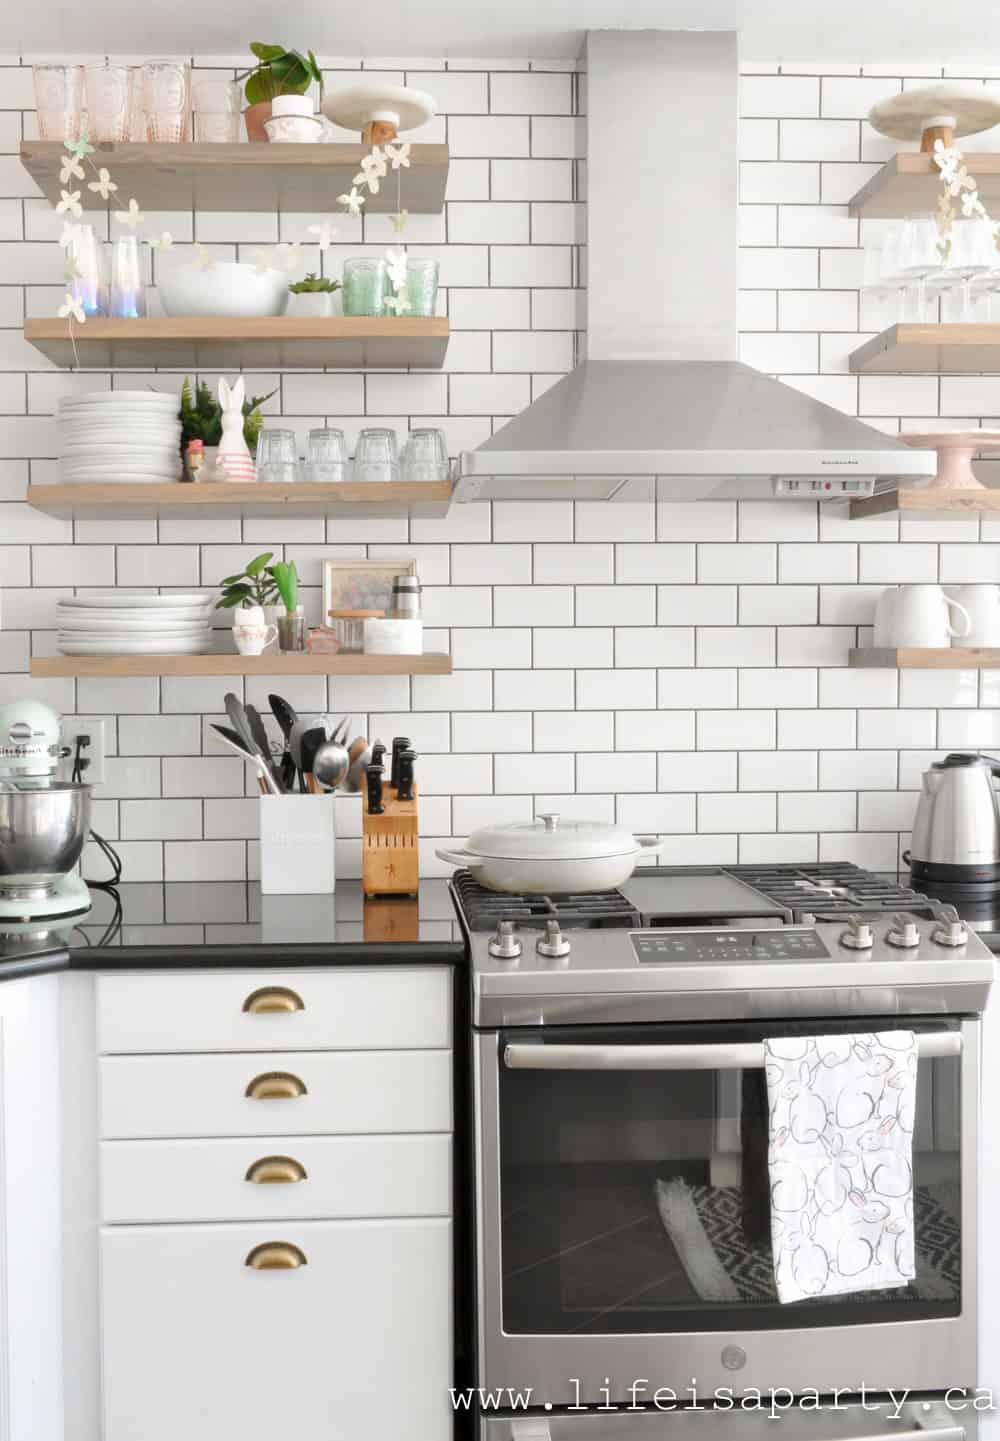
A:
(271, 1170)
(275, 1086)
(276, 1256)
(271, 999)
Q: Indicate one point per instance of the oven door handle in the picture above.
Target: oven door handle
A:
(539, 1430)
(748, 1056)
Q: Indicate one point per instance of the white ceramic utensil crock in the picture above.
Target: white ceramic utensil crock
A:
(548, 855)
(983, 605)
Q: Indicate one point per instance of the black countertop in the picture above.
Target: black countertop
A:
(226, 923)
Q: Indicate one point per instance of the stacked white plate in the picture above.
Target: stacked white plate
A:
(119, 435)
(117, 622)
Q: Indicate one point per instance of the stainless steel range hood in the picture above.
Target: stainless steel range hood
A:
(661, 405)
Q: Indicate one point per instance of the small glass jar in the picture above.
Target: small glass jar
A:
(422, 285)
(292, 631)
(364, 286)
(349, 627)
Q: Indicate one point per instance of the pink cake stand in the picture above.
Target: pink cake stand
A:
(955, 452)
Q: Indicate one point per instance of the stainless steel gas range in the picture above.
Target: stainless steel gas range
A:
(618, 1050)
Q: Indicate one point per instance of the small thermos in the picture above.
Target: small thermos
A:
(405, 598)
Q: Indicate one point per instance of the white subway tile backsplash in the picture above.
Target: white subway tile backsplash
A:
(682, 666)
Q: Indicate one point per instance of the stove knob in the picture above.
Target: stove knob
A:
(553, 943)
(505, 945)
(858, 936)
(904, 931)
(950, 931)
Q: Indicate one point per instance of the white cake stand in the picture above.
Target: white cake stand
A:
(379, 111)
(955, 452)
(936, 112)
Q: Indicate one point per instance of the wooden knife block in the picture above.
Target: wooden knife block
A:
(390, 860)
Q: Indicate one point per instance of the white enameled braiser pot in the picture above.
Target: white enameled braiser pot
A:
(547, 855)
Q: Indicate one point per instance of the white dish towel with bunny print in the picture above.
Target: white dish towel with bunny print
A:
(840, 1161)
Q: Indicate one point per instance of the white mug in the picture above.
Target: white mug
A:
(983, 605)
(251, 631)
(917, 615)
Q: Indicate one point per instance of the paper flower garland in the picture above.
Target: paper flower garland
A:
(956, 184)
(375, 166)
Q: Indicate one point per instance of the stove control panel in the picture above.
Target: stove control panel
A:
(707, 947)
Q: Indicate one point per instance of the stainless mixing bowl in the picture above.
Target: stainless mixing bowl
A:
(42, 832)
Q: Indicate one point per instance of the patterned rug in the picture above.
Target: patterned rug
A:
(705, 1225)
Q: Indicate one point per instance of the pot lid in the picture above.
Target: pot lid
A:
(548, 838)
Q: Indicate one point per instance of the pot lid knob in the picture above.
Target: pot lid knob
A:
(504, 944)
(904, 931)
(858, 936)
(950, 931)
(553, 944)
(550, 819)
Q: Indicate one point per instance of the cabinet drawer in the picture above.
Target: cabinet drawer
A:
(356, 1342)
(276, 1177)
(354, 1009)
(330, 1093)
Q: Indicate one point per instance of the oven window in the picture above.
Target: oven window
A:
(639, 1201)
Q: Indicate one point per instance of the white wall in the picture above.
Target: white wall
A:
(682, 667)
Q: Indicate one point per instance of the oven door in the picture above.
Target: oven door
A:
(886, 1421)
(623, 1219)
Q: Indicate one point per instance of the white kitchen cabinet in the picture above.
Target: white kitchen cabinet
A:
(351, 1008)
(329, 1093)
(353, 1344)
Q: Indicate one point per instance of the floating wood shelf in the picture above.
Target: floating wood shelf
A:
(274, 342)
(909, 183)
(304, 178)
(930, 350)
(927, 658)
(430, 663)
(132, 501)
(924, 504)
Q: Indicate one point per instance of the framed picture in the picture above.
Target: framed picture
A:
(361, 584)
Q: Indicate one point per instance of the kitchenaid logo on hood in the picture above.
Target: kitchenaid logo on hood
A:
(845, 460)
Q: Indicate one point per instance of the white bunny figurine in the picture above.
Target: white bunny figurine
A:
(234, 455)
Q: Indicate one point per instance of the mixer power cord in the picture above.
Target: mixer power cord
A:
(80, 764)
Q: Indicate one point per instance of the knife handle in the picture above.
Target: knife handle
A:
(374, 779)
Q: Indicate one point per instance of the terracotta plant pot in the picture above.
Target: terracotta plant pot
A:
(254, 116)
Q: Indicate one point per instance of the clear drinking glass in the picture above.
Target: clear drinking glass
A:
(58, 100)
(128, 282)
(109, 91)
(327, 458)
(421, 285)
(88, 284)
(167, 90)
(973, 253)
(364, 286)
(292, 631)
(424, 456)
(919, 259)
(277, 457)
(217, 108)
(376, 456)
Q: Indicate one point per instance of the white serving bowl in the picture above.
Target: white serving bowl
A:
(226, 288)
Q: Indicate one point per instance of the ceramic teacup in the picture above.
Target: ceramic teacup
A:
(254, 639)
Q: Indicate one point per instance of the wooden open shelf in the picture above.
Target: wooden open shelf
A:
(430, 663)
(133, 501)
(930, 658)
(909, 184)
(925, 504)
(930, 350)
(274, 342)
(304, 178)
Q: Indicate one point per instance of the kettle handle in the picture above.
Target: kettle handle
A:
(994, 763)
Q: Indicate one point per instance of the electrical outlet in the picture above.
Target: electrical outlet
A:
(93, 751)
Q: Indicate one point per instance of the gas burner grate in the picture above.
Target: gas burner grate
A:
(483, 909)
(832, 888)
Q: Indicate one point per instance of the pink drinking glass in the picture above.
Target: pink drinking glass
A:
(58, 101)
(167, 85)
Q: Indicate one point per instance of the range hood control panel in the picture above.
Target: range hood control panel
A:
(822, 487)
(709, 947)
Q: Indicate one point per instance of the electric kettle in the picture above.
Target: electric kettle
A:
(956, 830)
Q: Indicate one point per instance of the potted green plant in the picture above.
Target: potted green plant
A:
(278, 72)
(313, 296)
(200, 416)
(246, 594)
